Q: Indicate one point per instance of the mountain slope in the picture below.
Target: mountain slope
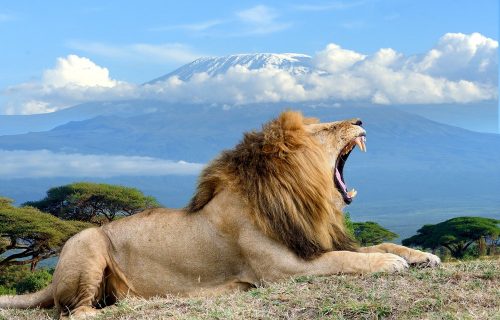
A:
(20, 124)
(414, 167)
(198, 133)
(294, 63)
(398, 142)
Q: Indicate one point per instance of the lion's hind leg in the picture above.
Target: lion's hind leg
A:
(412, 256)
(79, 279)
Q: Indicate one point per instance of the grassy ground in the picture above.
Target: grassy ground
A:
(462, 290)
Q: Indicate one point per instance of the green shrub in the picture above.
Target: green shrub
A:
(4, 290)
(34, 281)
(349, 225)
(471, 253)
(10, 276)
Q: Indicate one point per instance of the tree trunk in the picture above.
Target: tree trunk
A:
(34, 263)
(481, 244)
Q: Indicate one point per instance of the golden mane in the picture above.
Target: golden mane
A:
(284, 175)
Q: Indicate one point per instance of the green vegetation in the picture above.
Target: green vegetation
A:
(463, 290)
(93, 202)
(20, 279)
(457, 235)
(349, 225)
(34, 281)
(371, 233)
(368, 233)
(29, 235)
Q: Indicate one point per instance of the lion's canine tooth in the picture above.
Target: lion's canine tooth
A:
(361, 144)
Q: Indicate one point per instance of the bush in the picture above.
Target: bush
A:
(10, 276)
(7, 291)
(34, 281)
(19, 279)
(349, 225)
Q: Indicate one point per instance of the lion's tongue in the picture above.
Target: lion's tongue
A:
(339, 179)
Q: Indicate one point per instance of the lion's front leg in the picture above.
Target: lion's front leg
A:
(412, 256)
(271, 261)
(283, 264)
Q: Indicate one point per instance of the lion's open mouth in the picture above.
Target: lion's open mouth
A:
(338, 176)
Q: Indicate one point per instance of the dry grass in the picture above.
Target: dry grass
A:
(462, 290)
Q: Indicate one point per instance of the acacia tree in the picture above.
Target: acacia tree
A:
(93, 202)
(455, 234)
(28, 235)
(370, 233)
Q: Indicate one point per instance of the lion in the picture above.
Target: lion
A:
(267, 210)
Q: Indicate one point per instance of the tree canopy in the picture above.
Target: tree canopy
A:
(93, 202)
(28, 235)
(370, 233)
(455, 234)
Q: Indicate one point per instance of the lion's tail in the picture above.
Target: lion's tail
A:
(41, 299)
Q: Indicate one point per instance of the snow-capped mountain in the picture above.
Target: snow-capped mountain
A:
(295, 63)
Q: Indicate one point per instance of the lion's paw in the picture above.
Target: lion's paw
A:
(387, 262)
(423, 259)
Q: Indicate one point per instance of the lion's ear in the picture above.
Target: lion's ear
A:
(291, 120)
(284, 134)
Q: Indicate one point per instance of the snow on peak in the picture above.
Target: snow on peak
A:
(295, 63)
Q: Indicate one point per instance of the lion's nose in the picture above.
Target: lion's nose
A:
(357, 122)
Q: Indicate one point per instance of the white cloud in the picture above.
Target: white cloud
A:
(257, 20)
(195, 27)
(77, 71)
(258, 15)
(385, 77)
(334, 58)
(239, 85)
(73, 80)
(261, 20)
(459, 69)
(31, 107)
(458, 56)
(151, 53)
(43, 163)
(466, 71)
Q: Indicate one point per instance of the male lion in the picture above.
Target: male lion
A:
(267, 210)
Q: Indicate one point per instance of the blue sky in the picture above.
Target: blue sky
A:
(60, 53)
(33, 34)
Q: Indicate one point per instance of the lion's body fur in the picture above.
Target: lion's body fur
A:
(293, 206)
(263, 211)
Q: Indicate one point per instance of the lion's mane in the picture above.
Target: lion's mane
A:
(284, 175)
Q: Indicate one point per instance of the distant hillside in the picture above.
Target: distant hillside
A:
(19, 124)
(198, 133)
(415, 171)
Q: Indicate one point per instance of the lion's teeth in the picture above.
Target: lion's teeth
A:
(361, 144)
(352, 193)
